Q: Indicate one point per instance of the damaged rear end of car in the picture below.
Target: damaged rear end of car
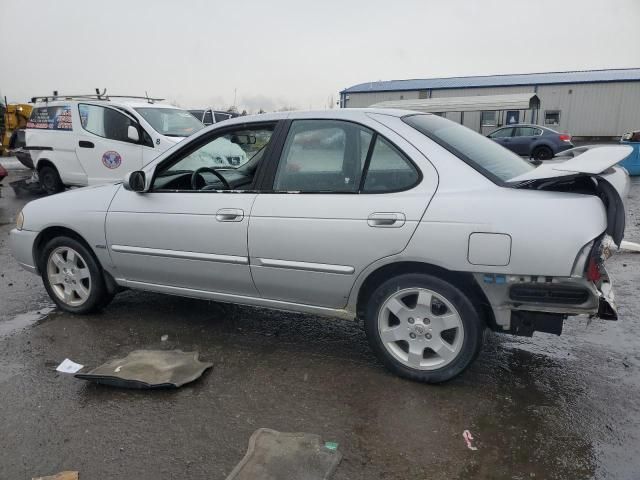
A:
(529, 303)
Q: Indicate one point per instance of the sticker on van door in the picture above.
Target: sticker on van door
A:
(111, 159)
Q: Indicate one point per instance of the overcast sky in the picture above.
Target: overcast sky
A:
(297, 53)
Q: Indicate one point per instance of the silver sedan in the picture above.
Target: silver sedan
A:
(426, 231)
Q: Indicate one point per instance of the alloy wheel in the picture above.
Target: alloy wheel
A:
(420, 328)
(69, 276)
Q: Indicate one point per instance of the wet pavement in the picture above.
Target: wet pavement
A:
(545, 407)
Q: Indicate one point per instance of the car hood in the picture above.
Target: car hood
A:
(593, 161)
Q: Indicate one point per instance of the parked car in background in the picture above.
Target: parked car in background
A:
(427, 231)
(534, 141)
(95, 139)
(208, 116)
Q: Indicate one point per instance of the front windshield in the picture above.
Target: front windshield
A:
(485, 155)
(172, 122)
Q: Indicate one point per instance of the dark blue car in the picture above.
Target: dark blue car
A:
(533, 141)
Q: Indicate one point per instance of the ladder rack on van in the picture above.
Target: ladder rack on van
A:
(97, 96)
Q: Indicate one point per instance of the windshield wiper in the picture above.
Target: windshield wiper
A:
(173, 135)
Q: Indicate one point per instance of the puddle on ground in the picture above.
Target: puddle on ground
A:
(24, 320)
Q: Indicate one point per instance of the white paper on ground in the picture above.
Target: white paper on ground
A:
(67, 366)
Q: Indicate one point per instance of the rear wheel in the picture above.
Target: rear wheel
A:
(72, 276)
(542, 153)
(423, 328)
(50, 180)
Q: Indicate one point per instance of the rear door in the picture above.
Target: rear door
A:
(103, 147)
(343, 196)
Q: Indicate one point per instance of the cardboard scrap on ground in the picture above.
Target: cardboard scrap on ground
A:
(300, 456)
(149, 369)
(60, 476)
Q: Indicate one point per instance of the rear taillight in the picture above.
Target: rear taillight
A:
(601, 251)
(565, 138)
(593, 269)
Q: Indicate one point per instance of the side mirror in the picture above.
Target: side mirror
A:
(135, 181)
(132, 134)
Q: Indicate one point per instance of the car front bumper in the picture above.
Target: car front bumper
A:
(21, 244)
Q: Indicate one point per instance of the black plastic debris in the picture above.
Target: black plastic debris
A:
(149, 369)
(299, 456)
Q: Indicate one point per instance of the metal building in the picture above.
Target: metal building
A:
(591, 103)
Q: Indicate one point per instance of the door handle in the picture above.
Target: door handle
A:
(85, 144)
(229, 215)
(386, 220)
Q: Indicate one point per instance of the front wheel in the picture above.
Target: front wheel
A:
(423, 328)
(72, 276)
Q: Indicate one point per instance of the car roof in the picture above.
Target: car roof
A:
(337, 114)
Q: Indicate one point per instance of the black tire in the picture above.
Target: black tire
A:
(473, 326)
(542, 153)
(50, 180)
(98, 296)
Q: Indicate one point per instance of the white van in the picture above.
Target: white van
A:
(88, 140)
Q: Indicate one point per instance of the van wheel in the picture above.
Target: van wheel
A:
(423, 328)
(542, 153)
(50, 180)
(72, 276)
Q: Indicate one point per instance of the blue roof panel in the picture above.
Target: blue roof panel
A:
(584, 76)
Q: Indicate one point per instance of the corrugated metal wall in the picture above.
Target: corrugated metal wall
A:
(602, 109)
(357, 100)
(599, 109)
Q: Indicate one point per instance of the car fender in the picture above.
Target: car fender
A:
(81, 210)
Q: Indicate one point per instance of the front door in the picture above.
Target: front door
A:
(189, 232)
(522, 140)
(343, 197)
(104, 150)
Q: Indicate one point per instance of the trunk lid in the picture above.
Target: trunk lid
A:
(593, 161)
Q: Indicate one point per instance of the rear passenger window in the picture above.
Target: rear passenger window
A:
(105, 122)
(333, 156)
(389, 170)
(51, 118)
(525, 132)
(221, 117)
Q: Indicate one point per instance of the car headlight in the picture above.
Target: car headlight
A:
(20, 220)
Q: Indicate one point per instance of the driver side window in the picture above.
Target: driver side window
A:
(228, 161)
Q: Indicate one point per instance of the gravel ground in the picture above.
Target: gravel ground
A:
(544, 407)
